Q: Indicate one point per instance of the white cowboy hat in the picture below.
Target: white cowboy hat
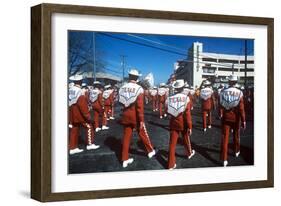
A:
(162, 85)
(134, 72)
(186, 85)
(107, 86)
(178, 84)
(76, 77)
(96, 82)
(237, 85)
(84, 84)
(207, 82)
(71, 84)
(233, 78)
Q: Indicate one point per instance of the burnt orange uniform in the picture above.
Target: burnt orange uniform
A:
(153, 97)
(95, 97)
(179, 108)
(131, 96)
(107, 102)
(114, 95)
(190, 94)
(162, 96)
(232, 113)
(206, 96)
(146, 96)
(79, 115)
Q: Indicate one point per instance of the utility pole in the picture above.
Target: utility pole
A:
(123, 64)
(197, 57)
(94, 56)
(245, 77)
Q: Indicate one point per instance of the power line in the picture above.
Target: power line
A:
(123, 64)
(155, 42)
(166, 50)
(142, 44)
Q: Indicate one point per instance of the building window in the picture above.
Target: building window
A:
(209, 69)
(248, 70)
(209, 59)
(228, 69)
(228, 61)
(248, 62)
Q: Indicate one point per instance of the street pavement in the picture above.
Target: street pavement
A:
(206, 145)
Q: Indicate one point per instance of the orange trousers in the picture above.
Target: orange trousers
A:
(128, 131)
(205, 118)
(107, 109)
(160, 108)
(174, 134)
(226, 127)
(154, 104)
(74, 132)
(96, 119)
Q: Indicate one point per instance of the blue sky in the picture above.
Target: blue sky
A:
(141, 50)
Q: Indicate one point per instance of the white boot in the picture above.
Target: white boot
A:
(161, 117)
(75, 151)
(104, 127)
(192, 154)
(225, 163)
(92, 146)
(209, 126)
(151, 154)
(237, 154)
(173, 167)
(98, 129)
(111, 118)
(127, 162)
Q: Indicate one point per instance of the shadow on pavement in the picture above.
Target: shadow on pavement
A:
(204, 152)
(163, 126)
(246, 153)
(114, 145)
(162, 156)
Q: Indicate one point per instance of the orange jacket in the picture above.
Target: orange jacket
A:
(97, 105)
(207, 104)
(182, 121)
(133, 114)
(233, 114)
(162, 98)
(109, 100)
(79, 112)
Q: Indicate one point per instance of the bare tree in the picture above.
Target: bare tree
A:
(80, 53)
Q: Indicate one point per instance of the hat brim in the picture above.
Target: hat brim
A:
(136, 75)
(177, 86)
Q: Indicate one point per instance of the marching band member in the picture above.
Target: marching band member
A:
(179, 108)
(146, 96)
(85, 90)
(192, 96)
(97, 104)
(188, 92)
(162, 96)
(232, 113)
(79, 115)
(153, 96)
(107, 102)
(206, 95)
(113, 99)
(131, 96)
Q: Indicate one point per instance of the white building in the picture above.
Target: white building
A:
(201, 65)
